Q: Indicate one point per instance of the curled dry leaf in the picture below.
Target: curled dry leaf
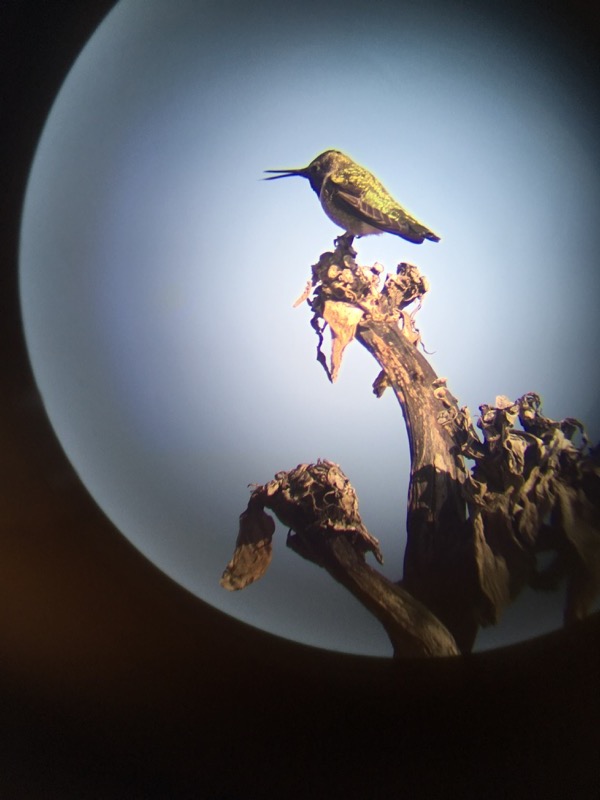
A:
(342, 319)
(532, 490)
(316, 497)
(253, 549)
(305, 294)
(346, 294)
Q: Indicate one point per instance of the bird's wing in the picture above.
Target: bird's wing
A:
(401, 224)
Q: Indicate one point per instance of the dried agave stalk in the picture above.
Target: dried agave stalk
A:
(473, 534)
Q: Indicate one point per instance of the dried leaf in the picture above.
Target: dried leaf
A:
(522, 479)
(305, 294)
(581, 528)
(253, 549)
(492, 572)
(342, 319)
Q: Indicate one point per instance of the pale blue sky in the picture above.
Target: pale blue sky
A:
(158, 270)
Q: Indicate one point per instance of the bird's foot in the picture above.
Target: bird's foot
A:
(345, 240)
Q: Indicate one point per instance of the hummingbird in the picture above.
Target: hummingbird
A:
(354, 199)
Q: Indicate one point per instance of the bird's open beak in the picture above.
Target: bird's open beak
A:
(286, 173)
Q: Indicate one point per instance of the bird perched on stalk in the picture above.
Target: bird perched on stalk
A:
(355, 200)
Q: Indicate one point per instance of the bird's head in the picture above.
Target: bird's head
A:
(316, 171)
